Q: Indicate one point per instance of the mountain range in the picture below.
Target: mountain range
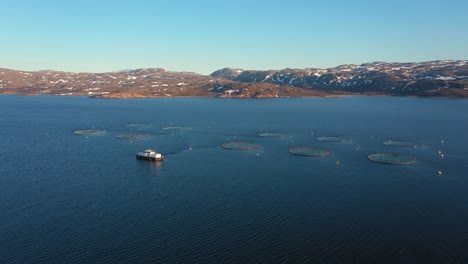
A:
(426, 79)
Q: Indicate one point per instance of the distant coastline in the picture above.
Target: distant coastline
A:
(425, 79)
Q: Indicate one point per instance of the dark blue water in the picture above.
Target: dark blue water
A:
(66, 198)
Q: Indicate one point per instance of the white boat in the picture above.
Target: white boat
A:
(149, 154)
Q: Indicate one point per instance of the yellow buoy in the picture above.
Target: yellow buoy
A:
(439, 172)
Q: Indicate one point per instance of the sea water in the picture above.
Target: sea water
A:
(68, 198)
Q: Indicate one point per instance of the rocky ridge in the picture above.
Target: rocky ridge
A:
(436, 78)
(139, 83)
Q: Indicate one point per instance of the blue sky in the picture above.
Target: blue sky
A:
(205, 35)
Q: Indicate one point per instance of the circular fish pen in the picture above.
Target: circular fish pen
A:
(240, 146)
(137, 125)
(273, 135)
(333, 139)
(90, 132)
(311, 152)
(401, 144)
(395, 159)
(131, 136)
(177, 128)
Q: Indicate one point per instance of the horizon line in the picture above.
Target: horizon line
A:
(235, 68)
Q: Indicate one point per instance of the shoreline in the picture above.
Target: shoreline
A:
(331, 96)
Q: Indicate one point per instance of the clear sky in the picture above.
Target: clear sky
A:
(206, 35)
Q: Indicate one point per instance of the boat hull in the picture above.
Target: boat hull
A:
(148, 158)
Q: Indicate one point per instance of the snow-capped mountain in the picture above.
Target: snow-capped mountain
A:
(435, 78)
(136, 84)
(425, 78)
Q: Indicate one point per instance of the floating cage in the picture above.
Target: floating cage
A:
(333, 139)
(90, 132)
(137, 125)
(273, 135)
(176, 128)
(131, 136)
(392, 159)
(312, 152)
(240, 145)
(402, 144)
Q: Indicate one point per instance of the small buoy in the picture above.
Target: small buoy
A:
(190, 148)
(337, 162)
(442, 141)
(258, 154)
(439, 172)
(440, 152)
(442, 155)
